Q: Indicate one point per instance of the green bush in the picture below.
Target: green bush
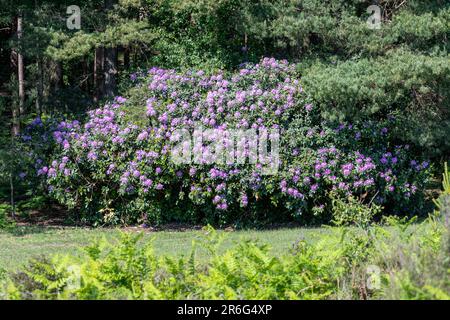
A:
(351, 211)
(5, 220)
(413, 88)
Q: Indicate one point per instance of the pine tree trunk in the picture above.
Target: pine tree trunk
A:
(126, 58)
(110, 71)
(15, 119)
(14, 105)
(56, 84)
(13, 203)
(98, 74)
(110, 59)
(58, 76)
(40, 86)
(20, 69)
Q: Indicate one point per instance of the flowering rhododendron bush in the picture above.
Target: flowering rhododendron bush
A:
(117, 166)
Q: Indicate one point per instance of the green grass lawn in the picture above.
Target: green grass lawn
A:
(23, 243)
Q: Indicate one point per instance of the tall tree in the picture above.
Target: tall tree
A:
(98, 74)
(20, 66)
(110, 57)
(110, 71)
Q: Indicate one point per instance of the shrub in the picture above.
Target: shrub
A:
(350, 211)
(414, 88)
(415, 259)
(118, 167)
(420, 269)
(440, 202)
(5, 221)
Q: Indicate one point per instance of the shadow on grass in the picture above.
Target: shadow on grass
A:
(23, 230)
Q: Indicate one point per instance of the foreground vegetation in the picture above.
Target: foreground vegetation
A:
(401, 262)
(19, 244)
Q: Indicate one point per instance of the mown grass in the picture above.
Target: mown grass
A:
(20, 244)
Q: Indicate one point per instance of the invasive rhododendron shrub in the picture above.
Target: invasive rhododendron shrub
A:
(119, 166)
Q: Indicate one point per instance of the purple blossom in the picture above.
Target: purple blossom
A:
(51, 172)
(142, 136)
(244, 200)
(136, 174)
(148, 183)
(92, 156)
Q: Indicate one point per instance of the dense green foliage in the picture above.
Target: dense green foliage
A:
(412, 87)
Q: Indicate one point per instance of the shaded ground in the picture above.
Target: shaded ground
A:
(56, 216)
(49, 231)
(23, 242)
(52, 216)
